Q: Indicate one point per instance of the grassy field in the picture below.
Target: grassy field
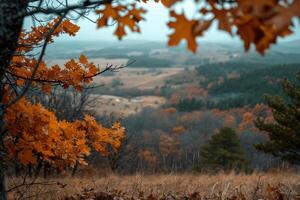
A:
(268, 186)
(140, 78)
(107, 104)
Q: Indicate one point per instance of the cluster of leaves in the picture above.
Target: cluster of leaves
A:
(75, 73)
(125, 16)
(36, 134)
(256, 22)
(33, 132)
(26, 67)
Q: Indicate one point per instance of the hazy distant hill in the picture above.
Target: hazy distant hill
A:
(259, 80)
(236, 84)
(288, 47)
(272, 57)
(70, 49)
(157, 54)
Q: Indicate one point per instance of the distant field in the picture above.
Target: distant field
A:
(132, 78)
(267, 186)
(106, 105)
(137, 78)
(140, 78)
(128, 78)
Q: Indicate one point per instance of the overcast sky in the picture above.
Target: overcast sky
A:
(154, 29)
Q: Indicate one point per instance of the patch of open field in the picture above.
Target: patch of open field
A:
(268, 186)
(107, 104)
(139, 78)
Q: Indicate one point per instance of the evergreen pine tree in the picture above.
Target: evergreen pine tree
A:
(284, 132)
(223, 152)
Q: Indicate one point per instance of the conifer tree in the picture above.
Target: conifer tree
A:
(284, 130)
(223, 152)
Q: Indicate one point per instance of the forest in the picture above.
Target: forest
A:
(191, 117)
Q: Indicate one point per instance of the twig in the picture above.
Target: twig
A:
(84, 5)
(30, 184)
(29, 82)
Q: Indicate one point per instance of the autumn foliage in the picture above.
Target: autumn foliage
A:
(74, 73)
(34, 133)
(31, 133)
(125, 17)
(254, 21)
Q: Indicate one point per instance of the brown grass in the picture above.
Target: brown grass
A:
(184, 186)
(140, 78)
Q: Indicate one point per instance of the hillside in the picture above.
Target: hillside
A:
(237, 84)
(151, 54)
(257, 81)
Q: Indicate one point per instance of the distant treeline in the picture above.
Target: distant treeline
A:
(237, 84)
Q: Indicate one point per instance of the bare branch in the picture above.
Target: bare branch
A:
(58, 11)
(24, 184)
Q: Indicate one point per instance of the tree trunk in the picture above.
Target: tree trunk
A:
(11, 21)
(75, 169)
(38, 169)
(2, 182)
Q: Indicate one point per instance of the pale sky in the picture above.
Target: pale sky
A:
(154, 29)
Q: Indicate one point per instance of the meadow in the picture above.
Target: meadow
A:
(275, 185)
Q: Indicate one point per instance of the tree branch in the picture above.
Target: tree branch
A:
(58, 11)
(113, 68)
(29, 82)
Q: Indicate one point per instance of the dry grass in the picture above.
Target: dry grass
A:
(172, 186)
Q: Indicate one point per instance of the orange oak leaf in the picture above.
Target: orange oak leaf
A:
(123, 16)
(185, 29)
